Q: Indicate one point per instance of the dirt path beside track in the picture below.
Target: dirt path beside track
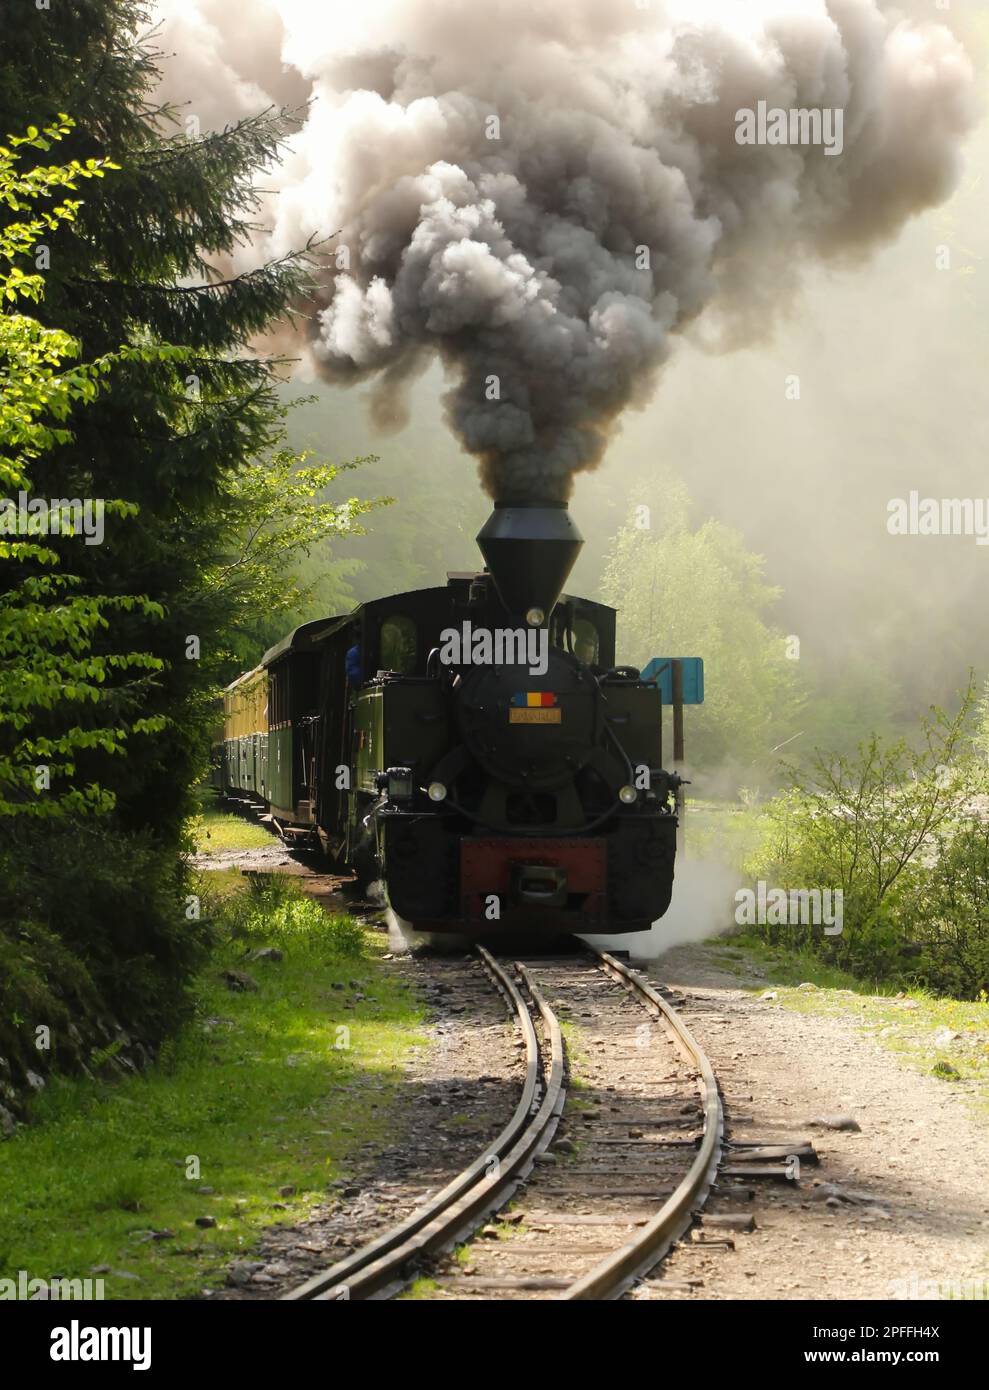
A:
(898, 1207)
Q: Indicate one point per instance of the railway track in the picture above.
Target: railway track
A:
(608, 1176)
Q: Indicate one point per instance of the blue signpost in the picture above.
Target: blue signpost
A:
(681, 682)
(661, 670)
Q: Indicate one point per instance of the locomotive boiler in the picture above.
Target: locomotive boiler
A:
(471, 746)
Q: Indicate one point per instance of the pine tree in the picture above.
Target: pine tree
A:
(136, 267)
(172, 434)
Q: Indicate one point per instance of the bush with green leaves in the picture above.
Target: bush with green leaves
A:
(951, 902)
(903, 831)
(62, 678)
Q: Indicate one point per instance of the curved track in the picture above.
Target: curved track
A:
(384, 1266)
(613, 1275)
(634, 1241)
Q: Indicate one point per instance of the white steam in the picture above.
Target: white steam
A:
(702, 906)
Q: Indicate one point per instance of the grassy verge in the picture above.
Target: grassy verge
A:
(259, 1104)
(215, 829)
(913, 1024)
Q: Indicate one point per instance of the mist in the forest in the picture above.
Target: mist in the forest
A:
(866, 385)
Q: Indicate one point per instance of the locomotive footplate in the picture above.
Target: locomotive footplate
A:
(558, 876)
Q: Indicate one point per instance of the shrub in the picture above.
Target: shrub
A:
(952, 903)
(95, 938)
(902, 831)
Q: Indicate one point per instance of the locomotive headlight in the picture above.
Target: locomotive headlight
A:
(398, 783)
(437, 791)
(628, 795)
(535, 617)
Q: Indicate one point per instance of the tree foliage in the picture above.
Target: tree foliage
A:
(141, 267)
(133, 379)
(276, 515)
(698, 592)
(48, 666)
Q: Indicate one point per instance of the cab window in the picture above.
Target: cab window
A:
(397, 650)
(586, 645)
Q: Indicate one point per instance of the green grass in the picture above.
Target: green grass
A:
(424, 1288)
(505, 1230)
(580, 1102)
(419, 1290)
(214, 829)
(218, 885)
(787, 966)
(256, 1088)
(576, 1055)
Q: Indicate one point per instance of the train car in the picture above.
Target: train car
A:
(243, 759)
(473, 746)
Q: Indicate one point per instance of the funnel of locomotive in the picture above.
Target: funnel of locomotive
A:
(529, 549)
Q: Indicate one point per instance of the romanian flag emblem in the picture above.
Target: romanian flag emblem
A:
(534, 699)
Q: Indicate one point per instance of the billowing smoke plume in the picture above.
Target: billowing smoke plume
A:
(544, 191)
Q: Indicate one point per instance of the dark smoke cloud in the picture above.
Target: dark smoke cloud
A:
(518, 259)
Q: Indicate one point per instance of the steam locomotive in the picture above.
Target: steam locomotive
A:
(472, 746)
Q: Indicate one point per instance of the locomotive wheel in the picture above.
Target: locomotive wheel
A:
(640, 872)
(365, 867)
(420, 870)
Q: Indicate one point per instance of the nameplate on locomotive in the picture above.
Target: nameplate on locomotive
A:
(534, 716)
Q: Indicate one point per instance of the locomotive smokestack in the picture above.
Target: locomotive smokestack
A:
(530, 549)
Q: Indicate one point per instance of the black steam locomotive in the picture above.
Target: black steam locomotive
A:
(473, 747)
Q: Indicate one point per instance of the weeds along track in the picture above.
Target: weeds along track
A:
(608, 1174)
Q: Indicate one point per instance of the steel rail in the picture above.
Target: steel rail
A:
(615, 1274)
(385, 1265)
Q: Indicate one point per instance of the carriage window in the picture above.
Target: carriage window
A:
(585, 641)
(278, 697)
(398, 645)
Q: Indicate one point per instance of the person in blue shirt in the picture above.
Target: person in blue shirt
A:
(352, 661)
